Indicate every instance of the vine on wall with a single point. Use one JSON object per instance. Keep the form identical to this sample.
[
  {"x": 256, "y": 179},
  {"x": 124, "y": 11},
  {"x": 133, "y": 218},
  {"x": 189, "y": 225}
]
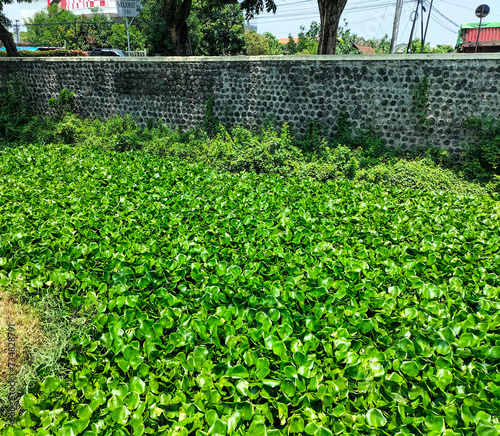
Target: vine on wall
[{"x": 420, "y": 103}]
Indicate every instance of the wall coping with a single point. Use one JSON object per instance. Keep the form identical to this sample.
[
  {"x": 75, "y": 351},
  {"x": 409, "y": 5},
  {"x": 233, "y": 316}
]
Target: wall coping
[{"x": 294, "y": 58}]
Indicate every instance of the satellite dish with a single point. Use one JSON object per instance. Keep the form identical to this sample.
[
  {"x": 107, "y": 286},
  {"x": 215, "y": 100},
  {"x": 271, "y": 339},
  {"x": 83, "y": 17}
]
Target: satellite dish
[{"x": 482, "y": 11}]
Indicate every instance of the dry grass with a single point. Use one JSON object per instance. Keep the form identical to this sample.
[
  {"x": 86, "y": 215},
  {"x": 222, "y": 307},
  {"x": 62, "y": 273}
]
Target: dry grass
[{"x": 28, "y": 333}]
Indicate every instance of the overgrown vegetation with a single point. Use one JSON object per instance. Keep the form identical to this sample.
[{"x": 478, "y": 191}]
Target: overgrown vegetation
[
  {"x": 252, "y": 304},
  {"x": 272, "y": 148},
  {"x": 48, "y": 53},
  {"x": 482, "y": 157},
  {"x": 44, "y": 328},
  {"x": 250, "y": 282},
  {"x": 421, "y": 102}
]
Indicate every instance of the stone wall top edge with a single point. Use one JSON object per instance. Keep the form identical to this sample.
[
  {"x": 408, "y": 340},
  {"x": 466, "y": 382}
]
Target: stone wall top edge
[{"x": 299, "y": 58}]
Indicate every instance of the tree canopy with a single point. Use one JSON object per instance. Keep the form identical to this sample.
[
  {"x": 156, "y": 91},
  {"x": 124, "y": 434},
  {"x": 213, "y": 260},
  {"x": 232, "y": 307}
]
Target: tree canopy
[
  {"x": 57, "y": 27},
  {"x": 176, "y": 14},
  {"x": 211, "y": 31}
]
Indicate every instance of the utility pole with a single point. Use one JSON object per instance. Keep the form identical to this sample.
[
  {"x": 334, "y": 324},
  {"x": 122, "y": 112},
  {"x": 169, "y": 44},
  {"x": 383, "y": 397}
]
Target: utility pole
[
  {"x": 413, "y": 27},
  {"x": 395, "y": 27},
  {"x": 422, "y": 9},
  {"x": 15, "y": 28},
  {"x": 427, "y": 25}
]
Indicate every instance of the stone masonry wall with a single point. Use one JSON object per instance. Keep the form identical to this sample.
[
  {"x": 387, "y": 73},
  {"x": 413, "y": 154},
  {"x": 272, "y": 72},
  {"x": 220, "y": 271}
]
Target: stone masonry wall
[{"x": 373, "y": 91}]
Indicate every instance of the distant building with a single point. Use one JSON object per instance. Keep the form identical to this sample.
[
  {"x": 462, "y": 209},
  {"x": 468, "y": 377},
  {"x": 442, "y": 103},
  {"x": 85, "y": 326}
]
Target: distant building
[
  {"x": 82, "y": 7},
  {"x": 18, "y": 13},
  {"x": 285, "y": 40},
  {"x": 251, "y": 27},
  {"x": 489, "y": 38},
  {"x": 364, "y": 49}
]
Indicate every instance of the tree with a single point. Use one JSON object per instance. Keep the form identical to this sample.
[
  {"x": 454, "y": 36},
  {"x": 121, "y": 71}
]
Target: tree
[
  {"x": 346, "y": 40},
  {"x": 257, "y": 44},
  {"x": 416, "y": 47},
  {"x": 291, "y": 46},
  {"x": 223, "y": 29},
  {"x": 381, "y": 46},
  {"x": 118, "y": 37},
  {"x": 56, "y": 27},
  {"x": 5, "y": 35},
  {"x": 275, "y": 48},
  {"x": 176, "y": 14},
  {"x": 212, "y": 31},
  {"x": 307, "y": 41},
  {"x": 329, "y": 13}
]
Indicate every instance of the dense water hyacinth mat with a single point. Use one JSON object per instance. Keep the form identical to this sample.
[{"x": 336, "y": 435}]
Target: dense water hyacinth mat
[{"x": 253, "y": 305}]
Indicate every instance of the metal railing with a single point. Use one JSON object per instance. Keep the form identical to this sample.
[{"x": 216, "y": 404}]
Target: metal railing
[{"x": 136, "y": 53}]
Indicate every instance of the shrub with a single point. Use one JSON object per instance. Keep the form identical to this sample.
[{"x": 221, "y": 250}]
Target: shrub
[
  {"x": 420, "y": 175},
  {"x": 14, "y": 107},
  {"x": 481, "y": 159},
  {"x": 314, "y": 140},
  {"x": 63, "y": 103},
  {"x": 117, "y": 134},
  {"x": 48, "y": 53}
]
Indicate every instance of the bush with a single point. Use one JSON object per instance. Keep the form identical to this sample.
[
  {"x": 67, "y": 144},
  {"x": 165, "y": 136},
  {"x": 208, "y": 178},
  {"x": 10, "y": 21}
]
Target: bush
[
  {"x": 62, "y": 104},
  {"x": 116, "y": 134},
  {"x": 14, "y": 108},
  {"x": 481, "y": 160},
  {"x": 420, "y": 175},
  {"x": 271, "y": 148},
  {"x": 48, "y": 53}
]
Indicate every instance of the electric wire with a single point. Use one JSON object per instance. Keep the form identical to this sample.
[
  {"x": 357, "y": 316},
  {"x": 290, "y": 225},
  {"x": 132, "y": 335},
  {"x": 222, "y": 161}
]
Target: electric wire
[
  {"x": 445, "y": 17},
  {"x": 382, "y": 20},
  {"x": 306, "y": 13}
]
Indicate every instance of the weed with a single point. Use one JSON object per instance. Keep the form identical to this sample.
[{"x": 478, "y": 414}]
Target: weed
[
  {"x": 420, "y": 103},
  {"x": 62, "y": 104}
]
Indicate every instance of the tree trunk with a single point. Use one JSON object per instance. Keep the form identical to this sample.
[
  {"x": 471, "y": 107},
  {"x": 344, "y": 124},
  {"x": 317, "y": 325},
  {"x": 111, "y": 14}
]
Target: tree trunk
[
  {"x": 329, "y": 12},
  {"x": 181, "y": 40},
  {"x": 175, "y": 13},
  {"x": 8, "y": 42}
]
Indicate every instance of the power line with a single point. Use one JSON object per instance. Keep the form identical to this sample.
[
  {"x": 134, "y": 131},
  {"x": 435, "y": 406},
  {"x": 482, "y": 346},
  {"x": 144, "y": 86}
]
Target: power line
[
  {"x": 300, "y": 13},
  {"x": 382, "y": 20},
  {"x": 444, "y": 26},
  {"x": 454, "y": 4},
  {"x": 446, "y": 18}
]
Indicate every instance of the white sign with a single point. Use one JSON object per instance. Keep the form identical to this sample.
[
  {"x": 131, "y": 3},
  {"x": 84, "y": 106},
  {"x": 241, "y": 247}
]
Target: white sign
[{"x": 126, "y": 8}]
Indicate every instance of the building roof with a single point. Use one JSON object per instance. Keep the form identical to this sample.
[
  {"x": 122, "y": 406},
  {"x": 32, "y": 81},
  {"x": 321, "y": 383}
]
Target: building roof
[
  {"x": 285, "y": 40},
  {"x": 365, "y": 49}
]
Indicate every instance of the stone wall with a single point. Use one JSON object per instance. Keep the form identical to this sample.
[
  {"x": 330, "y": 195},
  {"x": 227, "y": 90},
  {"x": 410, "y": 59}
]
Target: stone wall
[{"x": 374, "y": 91}]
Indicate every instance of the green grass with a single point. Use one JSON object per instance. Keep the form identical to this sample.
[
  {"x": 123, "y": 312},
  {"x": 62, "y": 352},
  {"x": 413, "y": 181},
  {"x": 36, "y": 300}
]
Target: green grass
[{"x": 252, "y": 304}]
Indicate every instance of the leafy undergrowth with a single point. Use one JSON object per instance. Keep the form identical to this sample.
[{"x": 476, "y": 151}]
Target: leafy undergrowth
[
  {"x": 253, "y": 304},
  {"x": 270, "y": 149}
]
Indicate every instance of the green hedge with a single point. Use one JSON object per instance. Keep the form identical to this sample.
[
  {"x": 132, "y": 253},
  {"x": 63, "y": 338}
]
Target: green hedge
[{"x": 48, "y": 53}]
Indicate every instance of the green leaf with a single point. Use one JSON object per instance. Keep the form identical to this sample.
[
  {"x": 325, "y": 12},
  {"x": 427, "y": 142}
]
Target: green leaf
[
  {"x": 486, "y": 430},
  {"x": 50, "y": 384},
  {"x": 410, "y": 368},
  {"x": 375, "y": 418},
  {"x": 299, "y": 358},
  {"x": 322, "y": 431},
  {"x": 237, "y": 371},
  {"x": 443, "y": 378},
  {"x": 288, "y": 388},
  {"x": 137, "y": 385},
  {"x": 296, "y": 424},
  {"x": 120, "y": 415}
]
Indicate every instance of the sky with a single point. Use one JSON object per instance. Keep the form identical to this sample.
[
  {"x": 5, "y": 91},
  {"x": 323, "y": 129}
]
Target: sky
[
  {"x": 366, "y": 18},
  {"x": 375, "y": 18}
]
